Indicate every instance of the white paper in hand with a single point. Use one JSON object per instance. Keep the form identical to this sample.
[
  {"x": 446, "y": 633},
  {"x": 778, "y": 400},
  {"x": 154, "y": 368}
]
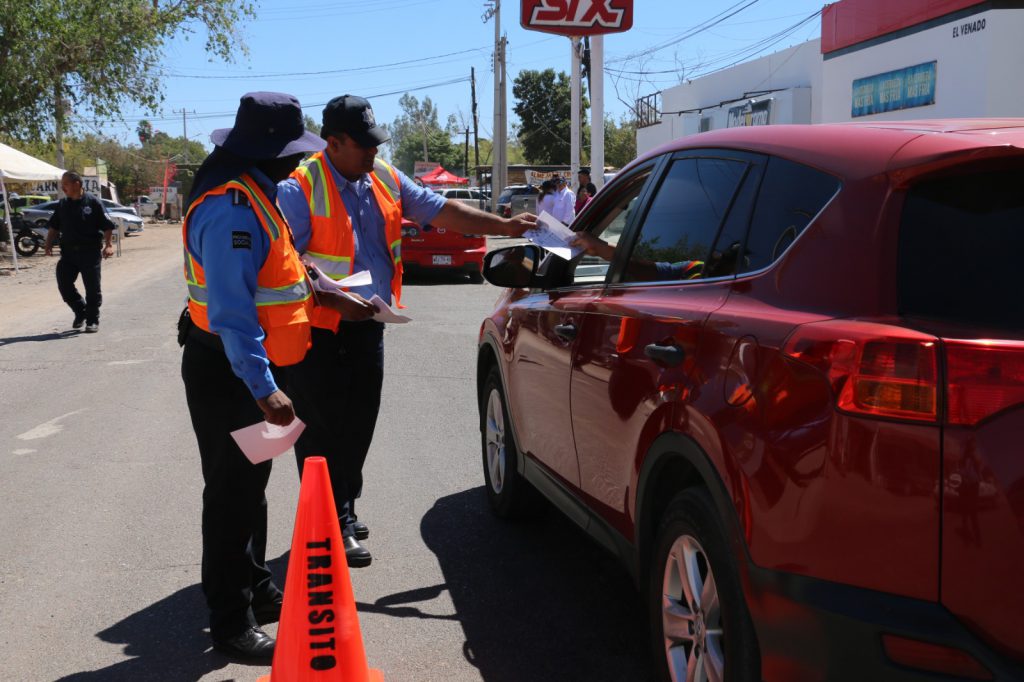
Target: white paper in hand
[
  {"x": 322, "y": 282},
  {"x": 553, "y": 235},
  {"x": 386, "y": 313},
  {"x": 264, "y": 441}
]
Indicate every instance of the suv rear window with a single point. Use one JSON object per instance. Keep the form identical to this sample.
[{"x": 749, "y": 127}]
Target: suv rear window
[
  {"x": 960, "y": 249},
  {"x": 791, "y": 195}
]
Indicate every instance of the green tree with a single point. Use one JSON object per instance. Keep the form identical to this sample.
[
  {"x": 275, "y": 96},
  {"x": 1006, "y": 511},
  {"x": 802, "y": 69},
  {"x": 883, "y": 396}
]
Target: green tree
[
  {"x": 544, "y": 107},
  {"x": 59, "y": 57},
  {"x": 311, "y": 124},
  {"x": 417, "y": 123},
  {"x": 619, "y": 141}
]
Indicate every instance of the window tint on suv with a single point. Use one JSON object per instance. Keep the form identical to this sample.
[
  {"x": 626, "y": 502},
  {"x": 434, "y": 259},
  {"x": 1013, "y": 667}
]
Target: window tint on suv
[
  {"x": 615, "y": 214},
  {"x": 684, "y": 219},
  {"x": 791, "y": 196},
  {"x": 960, "y": 248}
]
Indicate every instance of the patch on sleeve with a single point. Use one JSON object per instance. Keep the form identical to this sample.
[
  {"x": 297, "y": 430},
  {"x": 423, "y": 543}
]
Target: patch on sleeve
[{"x": 241, "y": 240}]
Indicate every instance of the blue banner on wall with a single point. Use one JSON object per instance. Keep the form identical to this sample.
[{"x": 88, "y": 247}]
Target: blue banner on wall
[{"x": 906, "y": 88}]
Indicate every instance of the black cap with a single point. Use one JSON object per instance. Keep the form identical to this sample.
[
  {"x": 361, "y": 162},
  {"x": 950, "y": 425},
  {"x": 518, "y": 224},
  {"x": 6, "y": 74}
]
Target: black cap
[
  {"x": 583, "y": 170},
  {"x": 353, "y": 116},
  {"x": 268, "y": 125}
]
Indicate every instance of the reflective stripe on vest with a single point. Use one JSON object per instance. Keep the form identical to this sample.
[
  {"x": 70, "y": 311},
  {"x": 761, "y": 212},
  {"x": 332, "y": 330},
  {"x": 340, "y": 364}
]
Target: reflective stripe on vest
[
  {"x": 283, "y": 297},
  {"x": 332, "y": 242},
  {"x": 314, "y": 172},
  {"x": 296, "y": 292}
]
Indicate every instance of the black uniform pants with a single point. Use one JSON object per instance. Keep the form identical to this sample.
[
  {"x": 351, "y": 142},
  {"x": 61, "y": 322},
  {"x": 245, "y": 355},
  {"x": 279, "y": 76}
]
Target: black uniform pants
[
  {"x": 234, "y": 573},
  {"x": 336, "y": 392},
  {"x": 85, "y": 262}
]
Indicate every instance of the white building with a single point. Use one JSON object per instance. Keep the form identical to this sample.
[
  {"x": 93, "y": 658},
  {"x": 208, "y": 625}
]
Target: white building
[{"x": 876, "y": 59}]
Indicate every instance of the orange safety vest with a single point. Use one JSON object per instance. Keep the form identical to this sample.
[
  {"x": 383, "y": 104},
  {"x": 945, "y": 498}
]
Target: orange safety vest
[
  {"x": 283, "y": 297},
  {"x": 331, "y": 243}
]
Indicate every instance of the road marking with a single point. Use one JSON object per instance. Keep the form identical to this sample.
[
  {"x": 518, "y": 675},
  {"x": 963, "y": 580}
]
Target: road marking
[
  {"x": 47, "y": 428},
  {"x": 23, "y": 451},
  {"x": 127, "y": 362}
]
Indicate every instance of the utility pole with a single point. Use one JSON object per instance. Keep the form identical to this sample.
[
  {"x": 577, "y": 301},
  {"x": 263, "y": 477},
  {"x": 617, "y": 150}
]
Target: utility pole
[
  {"x": 499, "y": 169},
  {"x": 476, "y": 139},
  {"x": 465, "y": 156},
  {"x": 184, "y": 128},
  {"x": 576, "y": 102},
  {"x": 596, "y": 75}
]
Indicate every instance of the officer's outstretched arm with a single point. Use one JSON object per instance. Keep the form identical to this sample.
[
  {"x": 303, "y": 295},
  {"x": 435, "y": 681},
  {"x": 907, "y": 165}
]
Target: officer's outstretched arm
[{"x": 469, "y": 220}]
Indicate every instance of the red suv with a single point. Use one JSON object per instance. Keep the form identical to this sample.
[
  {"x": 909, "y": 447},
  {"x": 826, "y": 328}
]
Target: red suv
[{"x": 788, "y": 391}]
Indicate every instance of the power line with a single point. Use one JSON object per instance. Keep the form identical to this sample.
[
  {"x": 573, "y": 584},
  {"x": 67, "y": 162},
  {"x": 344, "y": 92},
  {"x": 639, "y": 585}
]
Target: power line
[
  {"x": 737, "y": 56},
  {"x": 323, "y": 73},
  {"x": 223, "y": 114},
  {"x": 696, "y": 30}
]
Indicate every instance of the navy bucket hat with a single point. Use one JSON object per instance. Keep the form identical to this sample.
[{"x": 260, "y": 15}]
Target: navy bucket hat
[{"x": 268, "y": 125}]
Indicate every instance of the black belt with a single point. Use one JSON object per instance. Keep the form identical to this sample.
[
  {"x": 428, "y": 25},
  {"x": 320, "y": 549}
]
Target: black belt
[
  {"x": 80, "y": 247},
  {"x": 205, "y": 338}
]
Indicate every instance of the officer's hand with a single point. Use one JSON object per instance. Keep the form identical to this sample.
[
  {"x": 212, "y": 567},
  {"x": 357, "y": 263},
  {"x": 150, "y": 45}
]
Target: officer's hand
[
  {"x": 277, "y": 408},
  {"x": 517, "y": 225},
  {"x": 352, "y": 309},
  {"x": 108, "y": 251}
]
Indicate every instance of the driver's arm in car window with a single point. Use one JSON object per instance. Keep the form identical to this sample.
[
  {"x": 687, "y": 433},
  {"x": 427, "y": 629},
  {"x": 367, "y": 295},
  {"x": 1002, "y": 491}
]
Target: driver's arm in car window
[{"x": 640, "y": 269}]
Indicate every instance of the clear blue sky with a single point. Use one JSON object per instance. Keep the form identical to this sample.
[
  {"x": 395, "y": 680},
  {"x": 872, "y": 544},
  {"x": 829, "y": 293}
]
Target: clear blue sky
[{"x": 382, "y": 48}]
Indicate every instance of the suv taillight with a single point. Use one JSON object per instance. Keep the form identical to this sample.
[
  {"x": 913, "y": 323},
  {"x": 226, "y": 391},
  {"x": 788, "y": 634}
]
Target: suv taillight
[
  {"x": 984, "y": 377},
  {"x": 875, "y": 369}
]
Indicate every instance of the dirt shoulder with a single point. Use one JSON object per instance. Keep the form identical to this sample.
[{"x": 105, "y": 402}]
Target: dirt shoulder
[{"x": 33, "y": 290}]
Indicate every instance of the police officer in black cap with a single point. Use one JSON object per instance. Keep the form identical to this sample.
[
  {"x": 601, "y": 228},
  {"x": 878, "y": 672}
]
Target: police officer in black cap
[
  {"x": 80, "y": 223},
  {"x": 346, "y": 206},
  {"x": 249, "y": 303}
]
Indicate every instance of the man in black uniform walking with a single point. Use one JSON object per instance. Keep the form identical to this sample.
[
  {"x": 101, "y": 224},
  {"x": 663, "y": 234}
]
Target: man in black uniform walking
[{"x": 82, "y": 226}]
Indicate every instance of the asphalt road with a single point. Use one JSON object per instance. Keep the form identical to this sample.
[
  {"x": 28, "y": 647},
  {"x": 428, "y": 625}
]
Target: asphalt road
[{"x": 100, "y": 509}]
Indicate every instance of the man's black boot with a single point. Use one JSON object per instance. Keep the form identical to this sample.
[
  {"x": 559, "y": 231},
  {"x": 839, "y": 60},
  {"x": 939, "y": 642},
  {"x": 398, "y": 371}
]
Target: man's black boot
[
  {"x": 252, "y": 645},
  {"x": 357, "y": 555}
]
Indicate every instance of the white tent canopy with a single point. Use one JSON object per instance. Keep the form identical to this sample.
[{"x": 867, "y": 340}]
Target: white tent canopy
[{"x": 19, "y": 167}]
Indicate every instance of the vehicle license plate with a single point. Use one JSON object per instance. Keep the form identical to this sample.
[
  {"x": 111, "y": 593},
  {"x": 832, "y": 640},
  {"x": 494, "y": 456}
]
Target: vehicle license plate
[{"x": 442, "y": 260}]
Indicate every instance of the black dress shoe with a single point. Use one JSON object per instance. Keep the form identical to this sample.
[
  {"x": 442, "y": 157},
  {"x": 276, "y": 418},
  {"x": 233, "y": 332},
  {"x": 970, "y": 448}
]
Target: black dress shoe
[
  {"x": 362, "y": 530},
  {"x": 251, "y": 645},
  {"x": 268, "y": 612},
  {"x": 357, "y": 555}
]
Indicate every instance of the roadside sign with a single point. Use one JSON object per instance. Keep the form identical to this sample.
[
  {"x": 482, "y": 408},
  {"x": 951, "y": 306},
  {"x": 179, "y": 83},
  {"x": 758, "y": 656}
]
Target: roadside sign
[{"x": 577, "y": 17}]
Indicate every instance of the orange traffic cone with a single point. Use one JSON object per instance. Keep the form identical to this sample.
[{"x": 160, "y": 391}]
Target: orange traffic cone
[{"x": 318, "y": 639}]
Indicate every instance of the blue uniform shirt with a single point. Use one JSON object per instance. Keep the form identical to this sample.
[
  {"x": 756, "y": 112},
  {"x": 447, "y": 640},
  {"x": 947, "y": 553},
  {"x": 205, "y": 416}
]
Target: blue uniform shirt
[
  {"x": 419, "y": 204},
  {"x": 231, "y": 264}
]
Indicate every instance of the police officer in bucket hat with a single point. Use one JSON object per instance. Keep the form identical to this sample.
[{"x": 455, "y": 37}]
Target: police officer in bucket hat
[{"x": 249, "y": 307}]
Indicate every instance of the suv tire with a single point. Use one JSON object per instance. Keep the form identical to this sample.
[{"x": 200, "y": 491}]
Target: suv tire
[
  {"x": 709, "y": 629},
  {"x": 510, "y": 494}
]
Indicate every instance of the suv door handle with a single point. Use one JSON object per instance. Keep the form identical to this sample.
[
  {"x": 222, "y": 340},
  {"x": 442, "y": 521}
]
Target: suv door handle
[
  {"x": 670, "y": 356},
  {"x": 566, "y": 331}
]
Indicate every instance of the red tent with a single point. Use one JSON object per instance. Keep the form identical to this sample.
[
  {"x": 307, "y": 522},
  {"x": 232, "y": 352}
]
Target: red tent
[{"x": 439, "y": 176}]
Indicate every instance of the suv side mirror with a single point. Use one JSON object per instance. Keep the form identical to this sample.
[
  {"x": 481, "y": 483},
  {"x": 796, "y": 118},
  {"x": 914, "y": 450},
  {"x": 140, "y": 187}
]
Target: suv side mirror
[{"x": 513, "y": 267}]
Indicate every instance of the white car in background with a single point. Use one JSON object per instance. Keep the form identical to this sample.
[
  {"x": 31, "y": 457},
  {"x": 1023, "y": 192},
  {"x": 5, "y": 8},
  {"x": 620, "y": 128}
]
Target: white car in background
[
  {"x": 122, "y": 216},
  {"x": 470, "y": 197}
]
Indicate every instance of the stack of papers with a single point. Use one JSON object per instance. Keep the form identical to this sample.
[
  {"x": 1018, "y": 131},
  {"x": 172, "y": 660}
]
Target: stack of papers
[
  {"x": 553, "y": 235},
  {"x": 322, "y": 282}
]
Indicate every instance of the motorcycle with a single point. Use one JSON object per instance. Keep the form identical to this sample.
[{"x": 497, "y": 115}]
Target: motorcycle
[{"x": 26, "y": 240}]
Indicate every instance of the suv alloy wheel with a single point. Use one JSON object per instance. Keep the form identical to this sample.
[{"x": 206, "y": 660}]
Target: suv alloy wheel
[
  {"x": 701, "y": 628},
  {"x": 510, "y": 494}
]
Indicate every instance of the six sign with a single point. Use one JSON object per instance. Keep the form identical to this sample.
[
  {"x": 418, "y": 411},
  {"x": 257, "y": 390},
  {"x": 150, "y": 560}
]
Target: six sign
[{"x": 577, "y": 17}]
